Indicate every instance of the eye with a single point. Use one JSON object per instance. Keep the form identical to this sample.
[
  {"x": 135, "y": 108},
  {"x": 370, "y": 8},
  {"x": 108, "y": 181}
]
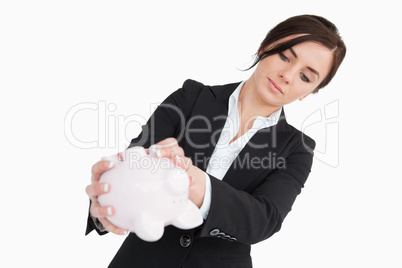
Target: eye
[
  {"x": 304, "y": 78},
  {"x": 283, "y": 57}
]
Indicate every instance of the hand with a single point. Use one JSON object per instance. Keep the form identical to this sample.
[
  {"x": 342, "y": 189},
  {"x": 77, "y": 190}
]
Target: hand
[
  {"x": 94, "y": 190},
  {"x": 170, "y": 148}
]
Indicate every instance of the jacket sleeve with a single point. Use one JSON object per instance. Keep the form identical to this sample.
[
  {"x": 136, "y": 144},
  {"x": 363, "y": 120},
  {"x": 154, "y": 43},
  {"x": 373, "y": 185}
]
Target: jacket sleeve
[
  {"x": 252, "y": 217},
  {"x": 94, "y": 224},
  {"x": 168, "y": 120}
]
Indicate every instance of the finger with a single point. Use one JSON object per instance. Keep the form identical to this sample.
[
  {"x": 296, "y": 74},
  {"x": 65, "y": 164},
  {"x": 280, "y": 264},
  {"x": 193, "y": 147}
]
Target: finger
[
  {"x": 192, "y": 181},
  {"x": 100, "y": 212},
  {"x": 111, "y": 228},
  {"x": 168, "y": 147},
  {"x": 95, "y": 189},
  {"x": 168, "y": 142},
  {"x": 154, "y": 151},
  {"x": 172, "y": 152},
  {"x": 169, "y": 152},
  {"x": 183, "y": 162},
  {"x": 100, "y": 167}
]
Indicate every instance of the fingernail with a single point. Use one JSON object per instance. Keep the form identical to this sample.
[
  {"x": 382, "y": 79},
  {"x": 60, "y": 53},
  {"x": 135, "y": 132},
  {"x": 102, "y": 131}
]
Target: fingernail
[
  {"x": 153, "y": 151},
  {"x": 158, "y": 153},
  {"x": 105, "y": 187},
  {"x": 109, "y": 211},
  {"x": 110, "y": 164},
  {"x": 125, "y": 232},
  {"x": 178, "y": 159}
]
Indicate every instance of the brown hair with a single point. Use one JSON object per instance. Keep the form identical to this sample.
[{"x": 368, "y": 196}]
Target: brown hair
[{"x": 313, "y": 28}]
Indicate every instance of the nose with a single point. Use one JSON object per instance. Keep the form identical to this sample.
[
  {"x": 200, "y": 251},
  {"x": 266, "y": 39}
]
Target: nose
[
  {"x": 284, "y": 79},
  {"x": 286, "y": 75}
]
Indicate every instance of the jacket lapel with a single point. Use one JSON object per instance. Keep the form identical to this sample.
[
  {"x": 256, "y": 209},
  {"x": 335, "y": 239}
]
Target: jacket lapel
[
  {"x": 259, "y": 154},
  {"x": 205, "y": 125}
]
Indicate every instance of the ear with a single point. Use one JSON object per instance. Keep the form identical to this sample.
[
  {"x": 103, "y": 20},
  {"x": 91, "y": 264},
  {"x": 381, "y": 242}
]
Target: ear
[{"x": 302, "y": 98}]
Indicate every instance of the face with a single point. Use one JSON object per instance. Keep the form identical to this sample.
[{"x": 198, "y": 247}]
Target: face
[{"x": 292, "y": 74}]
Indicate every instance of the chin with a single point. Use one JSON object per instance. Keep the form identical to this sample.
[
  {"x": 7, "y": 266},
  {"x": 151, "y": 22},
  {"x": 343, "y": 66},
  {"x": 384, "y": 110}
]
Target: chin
[{"x": 270, "y": 99}]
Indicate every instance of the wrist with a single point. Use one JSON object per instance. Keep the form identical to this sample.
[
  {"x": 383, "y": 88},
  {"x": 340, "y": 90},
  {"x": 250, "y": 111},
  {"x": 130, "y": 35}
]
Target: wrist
[{"x": 197, "y": 190}]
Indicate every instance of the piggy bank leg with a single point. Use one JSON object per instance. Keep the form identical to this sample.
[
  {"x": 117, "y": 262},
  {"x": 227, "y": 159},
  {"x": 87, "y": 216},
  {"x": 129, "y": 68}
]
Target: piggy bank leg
[
  {"x": 189, "y": 218},
  {"x": 148, "y": 228}
]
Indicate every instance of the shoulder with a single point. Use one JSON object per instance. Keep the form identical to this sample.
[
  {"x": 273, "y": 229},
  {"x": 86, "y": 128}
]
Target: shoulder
[
  {"x": 222, "y": 91},
  {"x": 293, "y": 137},
  {"x": 190, "y": 83},
  {"x": 187, "y": 93},
  {"x": 301, "y": 141},
  {"x": 190, "y": 89}
]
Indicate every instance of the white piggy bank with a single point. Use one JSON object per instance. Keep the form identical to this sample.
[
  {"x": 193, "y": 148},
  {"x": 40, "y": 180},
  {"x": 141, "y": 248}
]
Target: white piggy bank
[{"x": 148, "y": 193}]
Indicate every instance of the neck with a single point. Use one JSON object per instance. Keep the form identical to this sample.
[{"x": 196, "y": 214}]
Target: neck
[{"x": 251, "y": 104}]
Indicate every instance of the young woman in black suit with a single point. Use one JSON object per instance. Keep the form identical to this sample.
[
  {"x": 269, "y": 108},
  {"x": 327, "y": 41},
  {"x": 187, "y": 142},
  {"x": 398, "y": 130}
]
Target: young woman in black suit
[{"x": 246, "y": 163}]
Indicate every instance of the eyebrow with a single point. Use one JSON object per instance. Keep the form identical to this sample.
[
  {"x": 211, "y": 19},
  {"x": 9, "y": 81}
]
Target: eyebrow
[
  {"x": 293, "y": 52},
  {"x": 314, "y": 71},
  {"x": 311, "y": 69}
]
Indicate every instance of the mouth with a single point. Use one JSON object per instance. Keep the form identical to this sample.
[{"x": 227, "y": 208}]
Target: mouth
[{"x": 274, "y": 86}]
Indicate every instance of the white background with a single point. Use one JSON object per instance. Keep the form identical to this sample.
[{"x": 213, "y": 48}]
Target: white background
[{"x": 55, "y": 55}]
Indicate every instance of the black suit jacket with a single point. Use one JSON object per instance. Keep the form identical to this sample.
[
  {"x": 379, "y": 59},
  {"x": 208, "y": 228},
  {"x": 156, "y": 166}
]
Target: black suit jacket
[{"x": 247, "y": 206}]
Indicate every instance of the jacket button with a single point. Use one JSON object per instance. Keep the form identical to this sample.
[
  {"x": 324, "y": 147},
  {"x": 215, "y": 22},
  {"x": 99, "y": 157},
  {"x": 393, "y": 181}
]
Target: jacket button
[
  {"x": 214, "y": 232},
  {"x": 185, "y": 241}
]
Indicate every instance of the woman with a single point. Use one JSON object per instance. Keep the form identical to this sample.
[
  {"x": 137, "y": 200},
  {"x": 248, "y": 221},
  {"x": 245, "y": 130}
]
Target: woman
[{"x": 247, "y": 164}]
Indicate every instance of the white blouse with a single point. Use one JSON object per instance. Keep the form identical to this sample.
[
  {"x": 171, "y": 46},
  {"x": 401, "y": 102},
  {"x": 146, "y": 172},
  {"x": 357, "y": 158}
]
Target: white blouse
[{"x": 225, "y": 153}]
